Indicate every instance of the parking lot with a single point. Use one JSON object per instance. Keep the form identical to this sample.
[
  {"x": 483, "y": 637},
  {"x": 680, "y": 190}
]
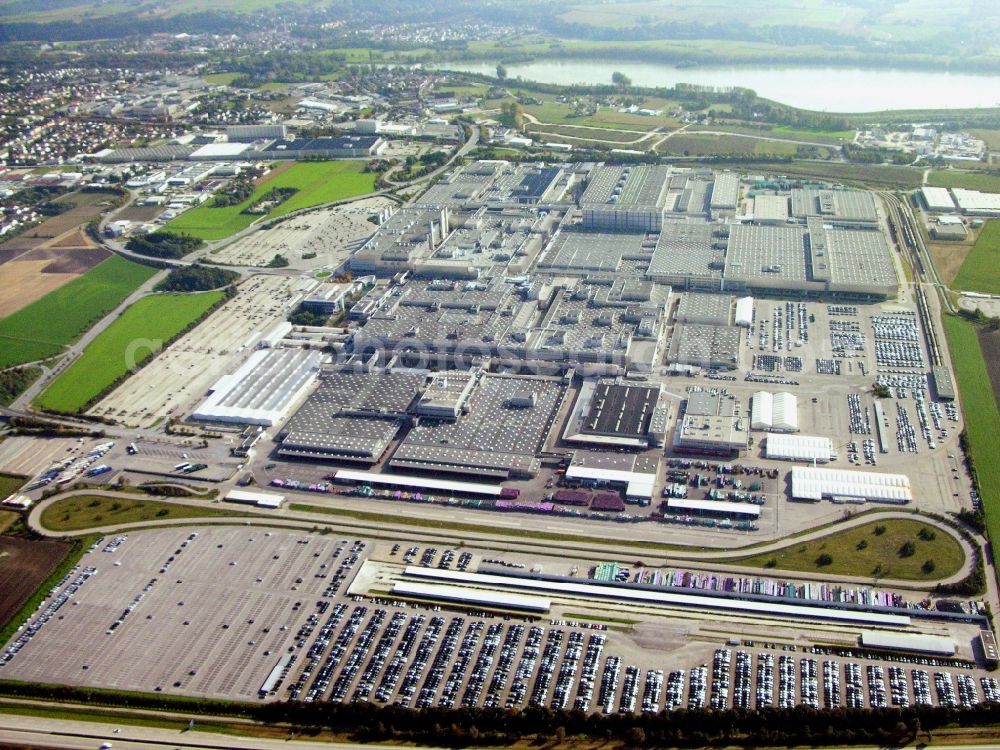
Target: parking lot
[
  {"x": 28, "y": 456},
  {"x": 250, "y": 614},
  {"x": 177, "y": 379},
  {"x": 317, "y": 239}
]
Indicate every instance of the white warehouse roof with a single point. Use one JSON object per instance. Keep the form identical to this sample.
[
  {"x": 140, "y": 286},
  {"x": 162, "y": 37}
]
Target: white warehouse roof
[
  {"x": 938, "y": 199},
  {"x": 714, "y": 506},
  {"x": 913, "y": 642},
  {"x": 778, "y": 412},
  {"x": 466, "y": 595},
  {"x": 811, "y": 483},
  {"x": 419, "y": 483},
  {"x": 744, "y": 312},
  {"x": 263, "y": 389},
  {"x": 260, "y": 499},
  {"x": 219, "y": 151},
  {"x": 798, "y": 448},
  {"x": 975, "y": 202},
  {"x": 637, "y": 483}
]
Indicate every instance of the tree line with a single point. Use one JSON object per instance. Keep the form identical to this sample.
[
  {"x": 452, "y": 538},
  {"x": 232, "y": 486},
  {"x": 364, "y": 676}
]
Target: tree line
[
  {"x": 463, "y": 727},
  {"x": 196, "y": 278},
  {"x": 163, "y": 244}
]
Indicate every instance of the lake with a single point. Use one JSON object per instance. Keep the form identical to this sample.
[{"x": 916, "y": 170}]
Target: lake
[{"x": 823, "y": 89}]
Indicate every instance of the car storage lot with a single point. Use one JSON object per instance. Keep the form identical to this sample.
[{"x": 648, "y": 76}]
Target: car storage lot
[
  {"x": 225, "y": 612},
  {"x": 182, "y": 374}
]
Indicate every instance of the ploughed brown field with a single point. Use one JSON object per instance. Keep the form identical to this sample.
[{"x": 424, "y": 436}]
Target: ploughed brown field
[
  {"x": 24, "y": 565},
  {"x": 47, "y": 256},
  {"x": 989, "y": 342}
]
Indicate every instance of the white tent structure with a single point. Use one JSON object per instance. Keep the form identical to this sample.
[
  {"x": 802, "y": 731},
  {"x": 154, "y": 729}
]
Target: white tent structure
[
  {"x": 774, "y": 412},
  {"x": 786, "y": 447},
  {"x": 744, "y": 312},
  {"x": 843, "y": 485}
]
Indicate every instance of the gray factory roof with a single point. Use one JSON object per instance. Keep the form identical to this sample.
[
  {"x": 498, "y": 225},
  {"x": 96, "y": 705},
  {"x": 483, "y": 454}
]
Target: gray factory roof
[
  {"x": 167, "y": 152},
  {"x": 498, "y": 435},
  {"x": 725, "y": 191},
  {"x": 766, "y": 254},
  {"x": 437, "y": 327},
  {"x": 705, "y": 345},
  {"x": 692, "y": 198},
  {"x": 463, "y": 185},
  {"x": 578, "y": 325},
  {"x": 845, "y": 205},
  {"x": 351, "y": 415},
  {"x": 770, "y": 208},
  {"x": 474, "y": 294},
  {"x": 317, "y": 435},
  {"x": 714, "y": 309},
  {"x": 490, "y": 238},
  {"x": 404, "y": 236},
  {"x": 521, "y": 184},
  {"x": 590, "y": 251},
  {"x": 379, "y": 394},
  {"x": 627, "y": 187},
  {"x": 684, "y": 251},
  {"x": 859, "y": 258},
  {"x": 710, "y": 404}
]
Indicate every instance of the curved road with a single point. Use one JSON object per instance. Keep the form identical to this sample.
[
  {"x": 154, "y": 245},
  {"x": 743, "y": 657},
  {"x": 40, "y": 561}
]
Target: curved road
[{"x": 496, "y": 538}]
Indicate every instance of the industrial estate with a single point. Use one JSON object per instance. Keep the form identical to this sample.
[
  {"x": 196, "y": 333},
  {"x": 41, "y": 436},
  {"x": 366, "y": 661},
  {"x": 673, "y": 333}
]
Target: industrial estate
[{"x": 340, "y": 406}]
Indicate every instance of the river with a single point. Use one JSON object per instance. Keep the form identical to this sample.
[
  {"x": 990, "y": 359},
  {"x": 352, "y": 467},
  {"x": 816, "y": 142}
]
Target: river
[{"x": 823, "y": 89}]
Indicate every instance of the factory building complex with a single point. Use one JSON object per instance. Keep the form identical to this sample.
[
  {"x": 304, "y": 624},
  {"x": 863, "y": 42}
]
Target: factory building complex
[{"x": 497, "y": 328}]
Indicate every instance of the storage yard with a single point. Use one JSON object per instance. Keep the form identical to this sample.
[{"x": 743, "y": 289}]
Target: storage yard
[
  {"x": 290, "y": 618},
  {"x": 329, "y": 235},
  {"x": 182, "y": 373}
]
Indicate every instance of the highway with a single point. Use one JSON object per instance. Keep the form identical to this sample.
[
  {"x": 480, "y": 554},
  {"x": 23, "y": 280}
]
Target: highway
[{"x": 87, "y": 735}]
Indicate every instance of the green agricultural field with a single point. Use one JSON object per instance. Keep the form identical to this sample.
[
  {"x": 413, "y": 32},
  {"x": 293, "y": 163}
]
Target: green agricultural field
[
  {"x": 584, "y": 134},
  {"x": 10, "y": 483},
  {"x": 59, "y": 318},
  {"x": 990, "y": 136},
  {"x": 982, "y": 420},
  {"x": 7, "y": 519},
  {"x": 94, "y": 511},
  {"x": 987, "y": 183},
  {"x": 812, "y": 135},
  {"x": 556, "y": 113},
  {"x": 868, "y": 175},
  {"x": 615, "y": 120},
  {"x": 711, "y": 145},
  {"x": 223, "y": 79},
  {"x": 980, "y": 272},
  {"x": 322, "y": 182},
  {"x": 862, "y": 552},
  {"x": 317, "y": 182},
  {"x": 159, "y": 317}
]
